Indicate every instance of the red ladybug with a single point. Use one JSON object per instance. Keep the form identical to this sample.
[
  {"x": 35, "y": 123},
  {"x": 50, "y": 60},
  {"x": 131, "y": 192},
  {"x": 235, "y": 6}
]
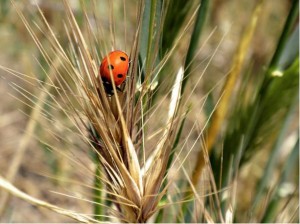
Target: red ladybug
[{"x": 117, "y": 64}]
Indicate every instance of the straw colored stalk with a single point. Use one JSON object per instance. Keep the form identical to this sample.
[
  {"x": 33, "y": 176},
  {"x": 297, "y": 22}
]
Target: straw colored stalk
[
  {"x": 7, "y": 186},
  {"x": 134, "y": 190},
  {"x": 228, "y": 88},
  {"x": 115, "y": 146}
]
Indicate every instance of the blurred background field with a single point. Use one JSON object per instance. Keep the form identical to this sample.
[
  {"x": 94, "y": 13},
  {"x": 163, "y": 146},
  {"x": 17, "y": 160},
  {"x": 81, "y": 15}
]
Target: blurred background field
[{"x": 45, "y": 175}]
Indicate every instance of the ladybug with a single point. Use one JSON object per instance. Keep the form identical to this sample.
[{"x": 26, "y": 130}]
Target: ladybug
[{"x": 116, "y": 63}]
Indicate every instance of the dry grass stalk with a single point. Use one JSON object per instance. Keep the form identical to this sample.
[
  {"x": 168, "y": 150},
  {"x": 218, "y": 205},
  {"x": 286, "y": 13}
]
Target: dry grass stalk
[
  {"x": 7, "y": 186},
  {"x": 30, "y": 127},
  {"x": 135, "y": 193}
]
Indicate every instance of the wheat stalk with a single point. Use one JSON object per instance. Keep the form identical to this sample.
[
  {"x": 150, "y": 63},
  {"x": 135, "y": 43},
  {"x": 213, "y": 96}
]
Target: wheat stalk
[
  {"x": 134, "y": 189},
  {"x": 7, "y": 186}
]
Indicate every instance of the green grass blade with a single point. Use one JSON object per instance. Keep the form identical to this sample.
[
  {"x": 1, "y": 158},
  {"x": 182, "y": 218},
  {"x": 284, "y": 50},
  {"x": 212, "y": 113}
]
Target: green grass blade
[
  {"x": 98, "y": 185},
  {"x": 289, "y": 166},
  {"x": 149, "y": 41},
  {"x": 272, "y": 105},
  {"x": 177, "y": 12},
  {"x": 293, "y": 14},
  {"x": 275, "y": 152},
  {"x": 193, "y": 46},
  {"x": 98, "y": 209},
  {"x": 284, "y": 35},
  {"x": 150, "y": 30},
  {"x": 291, "y": 50},
  {"x": 145, "y": 32}
]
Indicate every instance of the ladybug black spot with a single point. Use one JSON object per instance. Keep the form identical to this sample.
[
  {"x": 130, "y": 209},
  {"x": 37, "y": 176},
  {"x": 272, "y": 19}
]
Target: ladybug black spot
[
  {"x": 120, "y": 75},
  {"x": 111, "y": 67},
  {"x": 123, "y": 59}
]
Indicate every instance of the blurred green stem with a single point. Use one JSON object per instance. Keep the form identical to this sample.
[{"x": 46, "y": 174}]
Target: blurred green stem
[
  {"x": 291, "y": 164},
  {"x": 198, "y": 27},
  {"x": 98, "y": 185},
  {"x": 148, "y": 43},
  {"x": 98, "y": 210},
  {"x": 278, "y": 143},
  {"x": 293, "y": 14},
  {"x": 285, "y": 35},
  {"x": 151, "y": 34}
]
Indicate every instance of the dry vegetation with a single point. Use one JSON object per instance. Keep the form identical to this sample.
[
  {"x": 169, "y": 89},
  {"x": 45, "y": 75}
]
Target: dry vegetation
[{"x": 209, "y": 106}]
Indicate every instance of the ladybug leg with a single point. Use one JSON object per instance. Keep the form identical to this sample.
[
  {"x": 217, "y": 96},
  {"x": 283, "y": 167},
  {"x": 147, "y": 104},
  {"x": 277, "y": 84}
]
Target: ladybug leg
[
  {"x": 108, "y": 88},
  {"x": 119, "y": 89}
]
